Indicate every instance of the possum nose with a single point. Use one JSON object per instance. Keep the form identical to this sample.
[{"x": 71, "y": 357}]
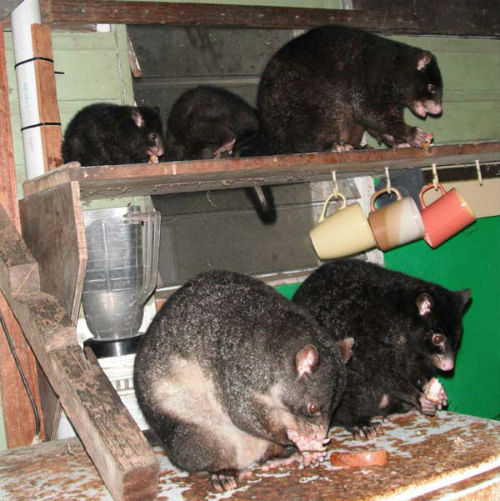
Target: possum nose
[
  {"x": 433, "y": 108},
  {"x": 444, "y": 363}
]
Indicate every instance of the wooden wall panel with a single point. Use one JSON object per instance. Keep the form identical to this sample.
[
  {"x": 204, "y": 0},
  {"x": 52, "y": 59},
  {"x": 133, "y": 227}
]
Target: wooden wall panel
[{"x": 14, "y": 398}]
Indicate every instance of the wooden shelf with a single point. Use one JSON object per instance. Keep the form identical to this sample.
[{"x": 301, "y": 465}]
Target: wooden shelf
[{"x": 110, "y": 181}]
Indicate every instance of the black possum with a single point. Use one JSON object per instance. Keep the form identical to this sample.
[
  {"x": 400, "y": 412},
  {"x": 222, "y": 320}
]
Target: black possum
[
  {"x": 230, "y": 373},
  {"x": 209, "y": 122},
  {"x": 405, "y": 330},
  {"x": 111, "y": 134},
  {"x": 212, "y": 122},
  {"x": 323, "y": 89}
]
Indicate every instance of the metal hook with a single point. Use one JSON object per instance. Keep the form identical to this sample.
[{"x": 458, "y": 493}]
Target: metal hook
[
  {"x": 435, "y": 179},
  {"x": 335, "y": 184},
  {"x": 388, "y": 180},
  {"x": 479, "y": 175}
]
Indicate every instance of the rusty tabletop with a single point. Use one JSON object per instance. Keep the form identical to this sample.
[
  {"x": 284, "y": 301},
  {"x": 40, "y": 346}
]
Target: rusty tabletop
[{"x": 447, "y": 457}]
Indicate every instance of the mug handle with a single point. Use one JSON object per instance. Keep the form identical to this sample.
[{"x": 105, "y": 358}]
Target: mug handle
[
  {"x": 327, "y": 201},
  {"x": 427, "y": 188},
  {"x": 380, "y": 192}
]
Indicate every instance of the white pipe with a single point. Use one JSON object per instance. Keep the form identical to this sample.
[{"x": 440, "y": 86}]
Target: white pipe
[{"x": 26, "y": 14}]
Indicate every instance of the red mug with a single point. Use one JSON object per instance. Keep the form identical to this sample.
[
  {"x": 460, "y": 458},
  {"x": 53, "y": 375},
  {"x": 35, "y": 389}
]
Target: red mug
[{"x": 446, "y": 216}]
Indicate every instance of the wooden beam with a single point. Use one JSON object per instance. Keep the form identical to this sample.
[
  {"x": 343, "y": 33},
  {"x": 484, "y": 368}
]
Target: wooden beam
[
  {"x": 191, "y": 14},
  {"x": 111, "y": 437},
  {"x": 54, "y": 231},
  {"x": 199, "y": 175},
  {"x": 48, "y": 108},
  {"x": 15, "y": 401}
]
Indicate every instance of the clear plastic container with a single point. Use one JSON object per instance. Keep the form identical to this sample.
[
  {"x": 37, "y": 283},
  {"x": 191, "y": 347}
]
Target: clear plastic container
[{"x": 122, "y": 266}]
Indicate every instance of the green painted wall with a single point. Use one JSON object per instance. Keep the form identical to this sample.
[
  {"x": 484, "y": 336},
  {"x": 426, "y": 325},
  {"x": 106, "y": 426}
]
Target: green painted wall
[{"x": 470, "y": 259}]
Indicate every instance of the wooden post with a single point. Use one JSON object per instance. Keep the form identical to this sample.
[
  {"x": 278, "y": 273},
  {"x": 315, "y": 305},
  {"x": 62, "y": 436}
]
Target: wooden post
[
  {"x": 119, "y": 450},
  {"x": 15, "y": 401},
  {"x": 50, "y": 129}
]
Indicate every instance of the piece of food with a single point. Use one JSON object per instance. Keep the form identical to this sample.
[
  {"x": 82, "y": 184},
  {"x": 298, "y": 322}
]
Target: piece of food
[
  {"x": 433, "y": 391},
  {"x": 357, "y": 459}
]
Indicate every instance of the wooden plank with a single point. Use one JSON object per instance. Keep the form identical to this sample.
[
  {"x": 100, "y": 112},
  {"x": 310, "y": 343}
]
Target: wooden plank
[
  {"x": 15, "y": 401},
  {"x": 170, "y": 177},
  {"x": 47, "y": 96},
  {"x": 478, "y": 17},
  {"x": 54, "y": 231},
  {"x": 111, "y": 437},
  {"x": 382, "y": 21}
]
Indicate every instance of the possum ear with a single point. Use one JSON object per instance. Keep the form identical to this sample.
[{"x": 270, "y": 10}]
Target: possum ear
[
  {"x": 306, "y": 360},
  {"x": 464, "y": 296},
  {"x": 137, "y": 117},
  {"x": 345, "y": 346},
  {"x": 424, "y": 304},
  {"x": 424, "y": 59}
]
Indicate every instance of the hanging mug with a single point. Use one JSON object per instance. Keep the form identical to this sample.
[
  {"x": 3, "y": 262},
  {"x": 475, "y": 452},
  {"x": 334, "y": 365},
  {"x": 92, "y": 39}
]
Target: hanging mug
[
  {"x": 396, "y": 223},
  {"x": 446, "y": 216},
  {"x": 343, "y": 233}
]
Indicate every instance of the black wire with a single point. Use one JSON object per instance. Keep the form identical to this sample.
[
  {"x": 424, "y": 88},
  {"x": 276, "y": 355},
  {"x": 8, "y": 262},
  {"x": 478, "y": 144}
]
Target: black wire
[{"x": 21, "y": 373}]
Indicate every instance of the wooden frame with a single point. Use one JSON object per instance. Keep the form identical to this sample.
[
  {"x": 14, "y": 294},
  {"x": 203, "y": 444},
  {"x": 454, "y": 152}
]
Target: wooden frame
[{"x": 483, "y": 23}]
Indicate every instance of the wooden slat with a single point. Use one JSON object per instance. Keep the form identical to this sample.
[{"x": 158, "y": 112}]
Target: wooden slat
[
  {"x": 111, "y": 437},
  {"x": 15, "y": 401},
  {"x": 47, "y": 96},
  {"x": 382, "y": 21},
  {"x": 170, "y": 177},
  {"x": 54, "y": 231}
]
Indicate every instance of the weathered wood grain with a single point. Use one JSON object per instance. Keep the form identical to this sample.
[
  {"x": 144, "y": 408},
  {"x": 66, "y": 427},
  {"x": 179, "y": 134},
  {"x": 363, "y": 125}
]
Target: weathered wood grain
[
  {"x": 200, "y": 175},
  {"x": 111, "y": 437},
  {"x": 388, "y": 20},
  {"x": 15, "y": 401}
]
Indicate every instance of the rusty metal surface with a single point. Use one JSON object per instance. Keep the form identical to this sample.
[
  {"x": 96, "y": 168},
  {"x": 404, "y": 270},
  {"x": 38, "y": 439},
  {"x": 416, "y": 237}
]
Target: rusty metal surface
[{"x": 446, "y": 454}]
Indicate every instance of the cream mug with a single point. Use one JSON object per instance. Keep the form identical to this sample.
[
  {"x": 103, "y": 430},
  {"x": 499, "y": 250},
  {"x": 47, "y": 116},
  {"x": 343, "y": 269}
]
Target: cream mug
[{"x": 343, "y": 233}]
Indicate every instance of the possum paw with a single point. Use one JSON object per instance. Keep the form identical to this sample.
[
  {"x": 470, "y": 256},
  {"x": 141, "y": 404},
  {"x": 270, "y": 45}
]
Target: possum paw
[
  {"x": 226, "y": 147},
  {"x": 365, "y": 432},
  {"x": 226, "y": 480},
  {"x": 342, "y": 146}
]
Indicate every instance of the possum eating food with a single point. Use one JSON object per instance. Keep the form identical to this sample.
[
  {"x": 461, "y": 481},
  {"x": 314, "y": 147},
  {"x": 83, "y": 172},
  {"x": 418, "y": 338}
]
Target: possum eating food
[
  {"x": 323, "y": 89},
  {"x": 231, "y": 373},
  {"x": 212, "y": 122},
  {"x": 405, "y": 330},
  {"x": 112, "y": 134}
]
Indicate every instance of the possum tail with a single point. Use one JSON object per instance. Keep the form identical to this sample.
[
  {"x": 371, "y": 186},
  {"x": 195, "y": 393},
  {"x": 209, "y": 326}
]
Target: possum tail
[{"x": 252, "y": 145}]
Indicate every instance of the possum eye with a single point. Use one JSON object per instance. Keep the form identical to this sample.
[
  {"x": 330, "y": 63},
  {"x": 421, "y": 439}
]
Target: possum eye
[
  {"x": 153, "y": 136},
  {"x": 431, "y": 88},
  {"x": 437, "y": 339},
  {"x": 313, "y": 409}
]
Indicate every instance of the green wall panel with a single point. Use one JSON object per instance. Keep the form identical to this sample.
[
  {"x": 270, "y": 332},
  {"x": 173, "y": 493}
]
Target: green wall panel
[{"x": 469, "y": 259}]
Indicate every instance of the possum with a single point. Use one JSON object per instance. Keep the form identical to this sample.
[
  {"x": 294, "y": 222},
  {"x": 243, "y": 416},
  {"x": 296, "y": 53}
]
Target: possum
[
  {"x": 323, "y": 89},
  {"x": 405, "y": 330},
  {"x": 111, "y": 134},
  {"x": 209, "y": 122},
  {"x": 212, "y": 122},
  {"x": 231, "y": 373}
]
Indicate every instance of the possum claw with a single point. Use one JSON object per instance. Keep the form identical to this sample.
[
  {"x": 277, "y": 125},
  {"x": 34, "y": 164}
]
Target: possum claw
[
  {"x": 365, "y": 432},
  {"x": 224, "y": 481},
  {"x": 225, "y": 147},
  {"x": 342, "y": 146}
]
